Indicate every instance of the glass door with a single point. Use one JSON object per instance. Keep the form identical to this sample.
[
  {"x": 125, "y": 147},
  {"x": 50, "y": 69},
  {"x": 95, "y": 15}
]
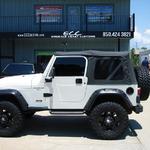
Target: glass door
[{"x": 74, "y": 18}]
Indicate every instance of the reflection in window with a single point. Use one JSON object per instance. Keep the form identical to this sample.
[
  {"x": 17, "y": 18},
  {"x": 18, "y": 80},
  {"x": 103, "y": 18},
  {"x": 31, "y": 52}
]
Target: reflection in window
[
  {"x": 49, "y": 13},
  {"x": 109, "y": 68},
  {"x": 99, "y": 13},
  {"x": 18, "y": 69}
]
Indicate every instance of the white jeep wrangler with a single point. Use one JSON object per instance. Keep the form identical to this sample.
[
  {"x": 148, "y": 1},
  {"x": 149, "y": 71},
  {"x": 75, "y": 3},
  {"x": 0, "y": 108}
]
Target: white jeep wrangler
[{"x": 102, "y": 85}]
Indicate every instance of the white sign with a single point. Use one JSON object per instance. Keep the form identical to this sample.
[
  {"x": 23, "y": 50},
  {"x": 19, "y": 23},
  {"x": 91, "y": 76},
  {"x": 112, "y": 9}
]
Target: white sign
[
  {"x": 72, "y": 34},
  {"x": 117, "y": 34},
  {"x": 29, "y": 35}
]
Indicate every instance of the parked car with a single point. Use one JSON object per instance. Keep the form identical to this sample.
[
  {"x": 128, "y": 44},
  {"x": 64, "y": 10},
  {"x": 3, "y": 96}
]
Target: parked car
[
  {"x": 18, "y": 69},
  {"x": 105, "y": 86}
]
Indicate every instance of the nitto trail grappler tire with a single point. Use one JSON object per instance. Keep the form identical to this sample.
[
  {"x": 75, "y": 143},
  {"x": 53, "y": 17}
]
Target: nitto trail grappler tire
[
  {"x": 143, "y": 79},
  {"x": 109, "y": 120},
  {"x": 11, "y": 119}
]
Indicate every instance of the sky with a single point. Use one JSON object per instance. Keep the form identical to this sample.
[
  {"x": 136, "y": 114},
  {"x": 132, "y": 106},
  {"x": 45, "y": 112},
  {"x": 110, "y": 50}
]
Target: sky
[{"x": 141, "y": 8}]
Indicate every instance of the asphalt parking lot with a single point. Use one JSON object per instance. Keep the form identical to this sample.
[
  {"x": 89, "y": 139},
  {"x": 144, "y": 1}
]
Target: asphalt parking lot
[{"x": 71, "y": 133}]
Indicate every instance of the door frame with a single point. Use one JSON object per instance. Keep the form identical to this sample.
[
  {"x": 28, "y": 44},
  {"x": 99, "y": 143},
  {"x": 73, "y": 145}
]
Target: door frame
[
  {"x": 56, "y": 103},
  {"x": 44, "y": 51}
]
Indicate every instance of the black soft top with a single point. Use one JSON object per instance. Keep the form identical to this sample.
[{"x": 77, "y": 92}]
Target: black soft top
[
  {"x": 93, "y": 53},
  {"x": 124, "y": 64}
]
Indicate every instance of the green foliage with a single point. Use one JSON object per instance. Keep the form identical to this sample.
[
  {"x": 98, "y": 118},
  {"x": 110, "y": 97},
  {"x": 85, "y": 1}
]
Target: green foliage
[
  {"x": 144, "y": 48},
  {"x": 134, "y": 58}
]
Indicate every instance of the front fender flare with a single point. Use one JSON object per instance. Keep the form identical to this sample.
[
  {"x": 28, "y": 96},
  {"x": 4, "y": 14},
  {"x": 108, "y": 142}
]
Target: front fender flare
[{"x": 18, "y": 98}]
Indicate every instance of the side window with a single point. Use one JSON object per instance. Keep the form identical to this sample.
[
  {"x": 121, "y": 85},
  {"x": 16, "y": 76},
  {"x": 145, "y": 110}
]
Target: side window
[
  {"x": 109, "y": 69},
  {"x": 73, "y": 66}
]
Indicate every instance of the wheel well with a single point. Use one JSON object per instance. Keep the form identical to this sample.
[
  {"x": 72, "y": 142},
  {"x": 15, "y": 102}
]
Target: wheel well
[
  {"x": 113, "y": 98},
  {"x": 12, "y": 99}
]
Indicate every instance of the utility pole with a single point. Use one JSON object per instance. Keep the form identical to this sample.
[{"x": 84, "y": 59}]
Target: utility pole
[{"x": 136, "y": 45}]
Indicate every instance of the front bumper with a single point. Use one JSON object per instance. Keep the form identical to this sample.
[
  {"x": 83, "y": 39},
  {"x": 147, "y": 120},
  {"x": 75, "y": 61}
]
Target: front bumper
[{"x": 138, "y": 109}]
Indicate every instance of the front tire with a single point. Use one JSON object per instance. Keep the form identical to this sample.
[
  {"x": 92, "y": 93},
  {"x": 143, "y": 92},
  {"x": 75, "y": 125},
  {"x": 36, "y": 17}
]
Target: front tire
[
  {"x": 109, "y": 120},
  {"x": 11, "y": 119}
]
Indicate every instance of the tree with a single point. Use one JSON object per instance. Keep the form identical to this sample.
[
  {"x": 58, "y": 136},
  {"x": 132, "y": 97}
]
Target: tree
[
  {"x": 134, "y": 57},
  {"x": 144, "y": 48}
]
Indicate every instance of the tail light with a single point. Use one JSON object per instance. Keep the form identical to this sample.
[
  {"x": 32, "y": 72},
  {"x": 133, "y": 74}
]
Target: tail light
[{"x": 139, "y": 91}]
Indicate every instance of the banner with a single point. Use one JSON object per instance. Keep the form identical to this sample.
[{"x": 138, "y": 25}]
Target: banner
[{"x": 49, "y": 14}]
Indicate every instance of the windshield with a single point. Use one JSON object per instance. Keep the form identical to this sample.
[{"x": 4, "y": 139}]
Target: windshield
[{"x": 18, "y": 69}]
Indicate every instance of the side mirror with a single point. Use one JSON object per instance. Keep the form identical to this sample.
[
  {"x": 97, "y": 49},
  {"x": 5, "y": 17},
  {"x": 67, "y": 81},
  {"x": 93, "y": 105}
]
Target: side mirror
[
  {"x": 48, "y": 79},
  {"x": 51, "y": 75}
]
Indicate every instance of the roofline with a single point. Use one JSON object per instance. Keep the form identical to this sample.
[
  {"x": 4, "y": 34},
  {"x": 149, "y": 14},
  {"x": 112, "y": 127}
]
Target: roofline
[{"x": 92, "y": 53}]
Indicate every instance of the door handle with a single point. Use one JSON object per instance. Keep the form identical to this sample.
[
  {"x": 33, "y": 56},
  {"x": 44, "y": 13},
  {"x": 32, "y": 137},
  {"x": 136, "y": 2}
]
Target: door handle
[{"x": 78, "y": 81}]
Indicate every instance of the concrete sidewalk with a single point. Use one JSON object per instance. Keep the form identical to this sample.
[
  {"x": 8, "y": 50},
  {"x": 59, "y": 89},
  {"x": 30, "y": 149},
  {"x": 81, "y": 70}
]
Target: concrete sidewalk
[{"x": 74, "y": 133}]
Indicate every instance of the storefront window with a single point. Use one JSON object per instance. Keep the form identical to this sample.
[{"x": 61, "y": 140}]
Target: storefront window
[
  {"x": 99, "y": 13},
  {"x": 49, "y": 14}
]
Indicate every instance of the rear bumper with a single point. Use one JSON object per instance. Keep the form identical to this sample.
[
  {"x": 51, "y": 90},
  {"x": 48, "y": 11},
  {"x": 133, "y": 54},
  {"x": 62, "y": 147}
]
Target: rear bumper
[{"x": 138, "y": 109}]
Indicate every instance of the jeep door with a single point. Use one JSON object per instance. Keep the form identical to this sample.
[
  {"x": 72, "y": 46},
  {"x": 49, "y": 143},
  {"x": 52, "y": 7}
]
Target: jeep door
[{"x": 69, "y": 82}]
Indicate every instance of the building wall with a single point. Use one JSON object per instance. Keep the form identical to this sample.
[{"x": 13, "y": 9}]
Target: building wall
[
  {"x": 25, "y": 8},
  {"x": 6, "y": 48},
  {"x": 25, "y": 48}
]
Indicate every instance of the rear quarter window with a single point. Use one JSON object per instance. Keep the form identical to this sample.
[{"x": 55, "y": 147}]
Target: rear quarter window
[{"x": 108, "y": 68}]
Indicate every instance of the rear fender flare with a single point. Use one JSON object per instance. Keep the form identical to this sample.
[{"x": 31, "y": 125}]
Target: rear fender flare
[{"x": 106, "y": 93}]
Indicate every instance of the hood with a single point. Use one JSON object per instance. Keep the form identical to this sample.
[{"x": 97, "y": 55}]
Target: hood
[{"x": 21, "y": 81}]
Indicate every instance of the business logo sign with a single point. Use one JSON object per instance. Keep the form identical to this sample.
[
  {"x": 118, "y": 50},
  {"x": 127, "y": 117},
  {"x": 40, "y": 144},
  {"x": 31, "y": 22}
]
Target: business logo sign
[
  {"x": 77, "y": 34},
  {"x": 73, "y": 34}
]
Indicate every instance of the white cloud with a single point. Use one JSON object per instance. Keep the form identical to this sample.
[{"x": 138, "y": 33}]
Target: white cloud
[
  {"x": 146, "y": 41},
  {"x": 147, "y": 32},
  {"x": 141, "y": 38},
  {"x": 137, "y": 35}
]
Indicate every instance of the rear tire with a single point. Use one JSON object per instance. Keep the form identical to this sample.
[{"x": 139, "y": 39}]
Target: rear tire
[
  {"x": 11, "y": 119},
  {"x": 109, "y": 120},
  {"x": 143, "y": 78}
]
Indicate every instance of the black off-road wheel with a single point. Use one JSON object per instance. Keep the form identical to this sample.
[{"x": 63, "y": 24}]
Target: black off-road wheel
[
  {"x": 109, "y": 120},
  {"x": 11, "y": 119},
  {"x": 143, "y": 78}
]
